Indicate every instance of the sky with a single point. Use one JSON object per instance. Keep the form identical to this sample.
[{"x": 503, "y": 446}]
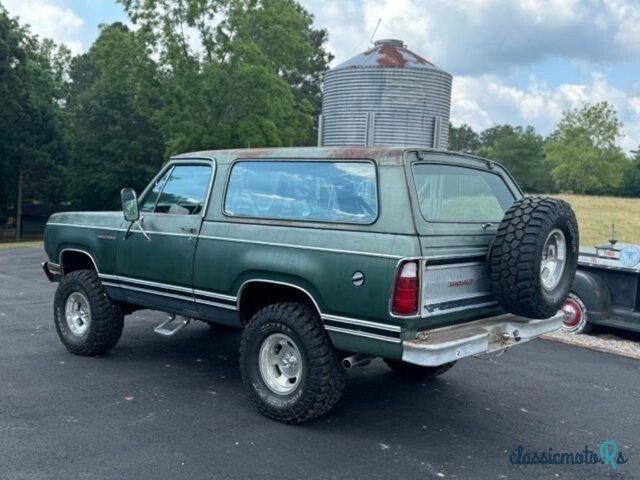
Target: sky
[{"x": 513, "y": 61}]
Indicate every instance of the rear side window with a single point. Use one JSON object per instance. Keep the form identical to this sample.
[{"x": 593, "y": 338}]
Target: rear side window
[
  {"x": 312, "y": 191},
  {"x": 448, "y": 193}
]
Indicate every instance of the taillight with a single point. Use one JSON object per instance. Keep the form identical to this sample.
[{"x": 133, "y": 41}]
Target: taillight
[{"x": 406, "y": 294}]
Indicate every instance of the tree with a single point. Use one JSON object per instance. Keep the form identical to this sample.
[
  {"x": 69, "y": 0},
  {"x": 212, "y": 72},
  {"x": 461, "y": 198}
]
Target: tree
[
  {"x": 115, "y": 142},
  {"x": 521, "y": 151},
  {"x": 463, "y": 139},
  {"x": 583, "y": 151},
  {"x": 253, "y": 79},
  {"x": 630, "y": 185},
  {"x": 32, "y": 144}
]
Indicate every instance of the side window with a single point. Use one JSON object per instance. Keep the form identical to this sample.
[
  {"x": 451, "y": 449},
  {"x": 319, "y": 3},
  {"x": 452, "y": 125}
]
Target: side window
[
  {"x": 181, "y": 191},
  {"x": 449, "y": 193},
  {"x": 149, "y": 202},
  {"x": 312, "y": 191}
]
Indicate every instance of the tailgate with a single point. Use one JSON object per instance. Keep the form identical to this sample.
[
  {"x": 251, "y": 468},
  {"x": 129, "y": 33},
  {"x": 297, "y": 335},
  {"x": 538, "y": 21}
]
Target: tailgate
[{"x": 455, "y": 284}]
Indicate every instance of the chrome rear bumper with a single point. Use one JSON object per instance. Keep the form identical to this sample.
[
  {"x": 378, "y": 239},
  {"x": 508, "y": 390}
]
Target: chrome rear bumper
[{"x": 443, "y": 345}]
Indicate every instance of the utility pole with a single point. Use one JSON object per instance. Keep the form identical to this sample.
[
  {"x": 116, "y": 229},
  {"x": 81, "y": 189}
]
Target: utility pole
[{"x": 19, "y": 206}]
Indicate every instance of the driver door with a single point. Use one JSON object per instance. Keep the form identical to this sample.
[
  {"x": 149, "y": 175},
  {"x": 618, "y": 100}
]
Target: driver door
[{"x": 157, "y": 273}]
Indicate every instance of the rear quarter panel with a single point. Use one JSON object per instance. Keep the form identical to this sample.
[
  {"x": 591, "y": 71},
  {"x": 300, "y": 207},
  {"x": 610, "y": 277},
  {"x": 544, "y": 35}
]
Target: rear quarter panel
[{"x": 319, "y": 258}]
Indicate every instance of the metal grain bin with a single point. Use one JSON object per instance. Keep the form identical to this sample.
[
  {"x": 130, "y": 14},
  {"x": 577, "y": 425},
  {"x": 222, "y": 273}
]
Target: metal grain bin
[{"x": 387, "y": 95}]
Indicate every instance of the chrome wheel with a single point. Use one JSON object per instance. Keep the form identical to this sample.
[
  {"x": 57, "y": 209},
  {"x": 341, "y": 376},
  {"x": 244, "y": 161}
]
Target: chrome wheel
[
  {"x": 554, "y": 259},
  {"x": 77, "y": 314},
  {"x": 575, "y": 314},
  {"x": 280, "y": 363}
]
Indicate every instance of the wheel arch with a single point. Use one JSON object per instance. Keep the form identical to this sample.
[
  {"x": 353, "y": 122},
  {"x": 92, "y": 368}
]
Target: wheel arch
[
  {"x": 257, "y": 293},
  {"x": 72, "y": 259},
  {"x": 592, "y": 290}
]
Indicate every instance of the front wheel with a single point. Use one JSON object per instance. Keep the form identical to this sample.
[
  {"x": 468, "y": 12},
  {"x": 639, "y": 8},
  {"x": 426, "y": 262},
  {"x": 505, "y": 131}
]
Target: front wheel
[
  {"x": 289, "y": 366},
  {"x": 87, "y": 321}
]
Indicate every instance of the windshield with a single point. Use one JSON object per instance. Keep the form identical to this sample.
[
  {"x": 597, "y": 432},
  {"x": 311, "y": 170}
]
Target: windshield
[{"x": 448, "y": 193}]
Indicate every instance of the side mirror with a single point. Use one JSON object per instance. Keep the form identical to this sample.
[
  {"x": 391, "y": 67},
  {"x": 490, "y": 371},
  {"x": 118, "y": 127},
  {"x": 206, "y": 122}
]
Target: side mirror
[{"x": 130, "y": 205}]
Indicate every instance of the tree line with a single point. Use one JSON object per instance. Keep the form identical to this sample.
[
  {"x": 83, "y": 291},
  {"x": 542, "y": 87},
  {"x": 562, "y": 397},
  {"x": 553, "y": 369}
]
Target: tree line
[
  {"x": 75, "y": 129},
  {"x": 580, "y": 156},
  {"x": 210, "y": 74}
]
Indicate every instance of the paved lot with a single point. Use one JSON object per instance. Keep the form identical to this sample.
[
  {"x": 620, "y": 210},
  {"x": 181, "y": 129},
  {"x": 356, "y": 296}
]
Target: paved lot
[{"x": 174, "y": 408}]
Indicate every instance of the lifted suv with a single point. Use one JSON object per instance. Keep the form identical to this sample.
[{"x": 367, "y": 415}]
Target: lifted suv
[{"x": 326, "y": 257}]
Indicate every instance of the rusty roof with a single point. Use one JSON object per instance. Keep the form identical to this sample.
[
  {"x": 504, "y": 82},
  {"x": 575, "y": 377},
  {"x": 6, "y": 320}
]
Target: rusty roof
[
  {"x": 391, "y": 155},
  {"x": 387, "y": 53}
]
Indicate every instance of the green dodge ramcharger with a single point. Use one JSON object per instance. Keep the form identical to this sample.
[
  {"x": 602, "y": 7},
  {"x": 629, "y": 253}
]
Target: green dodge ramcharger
[{"x": 326, "y": 258}]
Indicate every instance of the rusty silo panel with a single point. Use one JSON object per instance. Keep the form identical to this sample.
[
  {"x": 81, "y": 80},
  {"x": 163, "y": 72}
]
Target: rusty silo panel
[{"x": 386, "y": 96}]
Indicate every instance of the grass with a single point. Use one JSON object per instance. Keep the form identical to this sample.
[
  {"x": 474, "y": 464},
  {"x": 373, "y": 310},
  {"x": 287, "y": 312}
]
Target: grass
[
  {"x": 32, "y": 243},
  {"x": 596, "y": 214}
]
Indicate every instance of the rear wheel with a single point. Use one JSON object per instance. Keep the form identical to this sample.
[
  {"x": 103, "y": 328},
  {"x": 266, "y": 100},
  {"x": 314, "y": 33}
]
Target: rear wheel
[
  {"x": 410, "y": 370},
  {"x": 87, "y": 321},
  {"x": 289, "y": 366},
  {"x": 575, "y": 315}
]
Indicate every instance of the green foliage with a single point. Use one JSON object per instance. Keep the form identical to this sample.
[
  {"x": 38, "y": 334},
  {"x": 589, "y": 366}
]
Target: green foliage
[
  {"x": 32, "y": 147},
  {"x": 252, "y": 80},
  {"x": 463, "y": 139},
  {"x": 521, "y": 151},
  {"x": 583, "y": 152},
  {"x": 630, "y": 185},
  {"x": 115, "y": 142}
]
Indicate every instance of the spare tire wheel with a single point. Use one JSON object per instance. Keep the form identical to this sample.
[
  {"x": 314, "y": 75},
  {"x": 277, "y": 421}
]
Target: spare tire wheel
[{"x": 534, "y": 256}]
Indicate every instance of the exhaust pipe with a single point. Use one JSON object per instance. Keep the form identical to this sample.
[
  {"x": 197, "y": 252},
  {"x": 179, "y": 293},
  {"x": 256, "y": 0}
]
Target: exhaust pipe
[{"x": 357, "y": 360}]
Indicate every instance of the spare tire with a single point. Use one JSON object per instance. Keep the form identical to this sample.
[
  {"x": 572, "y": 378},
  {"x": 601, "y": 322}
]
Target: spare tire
[{"x": 534, "y": 256}]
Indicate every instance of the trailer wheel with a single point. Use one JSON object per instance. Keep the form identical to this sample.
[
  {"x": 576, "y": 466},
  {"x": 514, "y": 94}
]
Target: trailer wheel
[{"x": 575, "y": 315}]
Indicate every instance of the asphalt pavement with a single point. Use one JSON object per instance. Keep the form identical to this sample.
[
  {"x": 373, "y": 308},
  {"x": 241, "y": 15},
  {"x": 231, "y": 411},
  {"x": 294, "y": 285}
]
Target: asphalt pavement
[{"x": 156, "y": 408}]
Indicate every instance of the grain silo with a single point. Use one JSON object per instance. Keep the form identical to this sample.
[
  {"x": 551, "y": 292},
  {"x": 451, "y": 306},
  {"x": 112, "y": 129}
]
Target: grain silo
[{"x": 387, "y": 95}]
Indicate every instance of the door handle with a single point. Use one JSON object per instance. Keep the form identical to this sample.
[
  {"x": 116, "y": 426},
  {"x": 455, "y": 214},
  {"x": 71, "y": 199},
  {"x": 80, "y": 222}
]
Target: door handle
[{"x": 190, "y": 230}]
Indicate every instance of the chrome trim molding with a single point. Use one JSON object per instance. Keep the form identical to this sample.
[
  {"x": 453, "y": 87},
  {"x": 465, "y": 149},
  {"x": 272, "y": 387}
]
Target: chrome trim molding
[
  {"x": 118, "y": 278},
  {"x": 146, "y": 290},
  {"x": 363, "y": 323},
  {"x": 362, "y": 334},
  {"x": 301, "y": 247},
  {"x": 231, "y": 298},
  {"x": 56, "y": 224},
  {"x": 215, "y": 304}
]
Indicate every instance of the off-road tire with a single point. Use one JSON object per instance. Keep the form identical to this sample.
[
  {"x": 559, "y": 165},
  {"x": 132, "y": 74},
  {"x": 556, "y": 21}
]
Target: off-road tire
[
  {"x": 107, "y": 320},
  {"x": 322, "y": 382},
  {"x": 409, "y": 370},
  {"x": 516, "y": 254}
]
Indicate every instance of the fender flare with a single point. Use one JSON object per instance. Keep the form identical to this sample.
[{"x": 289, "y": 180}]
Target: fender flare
[{"x": 592, "y": 290}]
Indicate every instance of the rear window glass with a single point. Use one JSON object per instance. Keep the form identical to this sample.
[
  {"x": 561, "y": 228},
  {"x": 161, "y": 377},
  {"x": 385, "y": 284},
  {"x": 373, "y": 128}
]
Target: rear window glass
[
  {"x": 312, "y": 191},
  {"x": 457, "y": 194}
]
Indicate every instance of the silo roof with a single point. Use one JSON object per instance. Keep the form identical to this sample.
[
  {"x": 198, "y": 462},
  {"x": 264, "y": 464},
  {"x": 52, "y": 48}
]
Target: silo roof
[{"x": 387, "y": 53}]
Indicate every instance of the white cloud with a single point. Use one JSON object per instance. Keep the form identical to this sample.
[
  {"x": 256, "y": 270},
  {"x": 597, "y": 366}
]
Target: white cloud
[
  {"x": 480, "y": 40},
  {"x": 49, "y": 20},
  {"x": 487, "y": 100},
  {"x": 488, "y": 36}
]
